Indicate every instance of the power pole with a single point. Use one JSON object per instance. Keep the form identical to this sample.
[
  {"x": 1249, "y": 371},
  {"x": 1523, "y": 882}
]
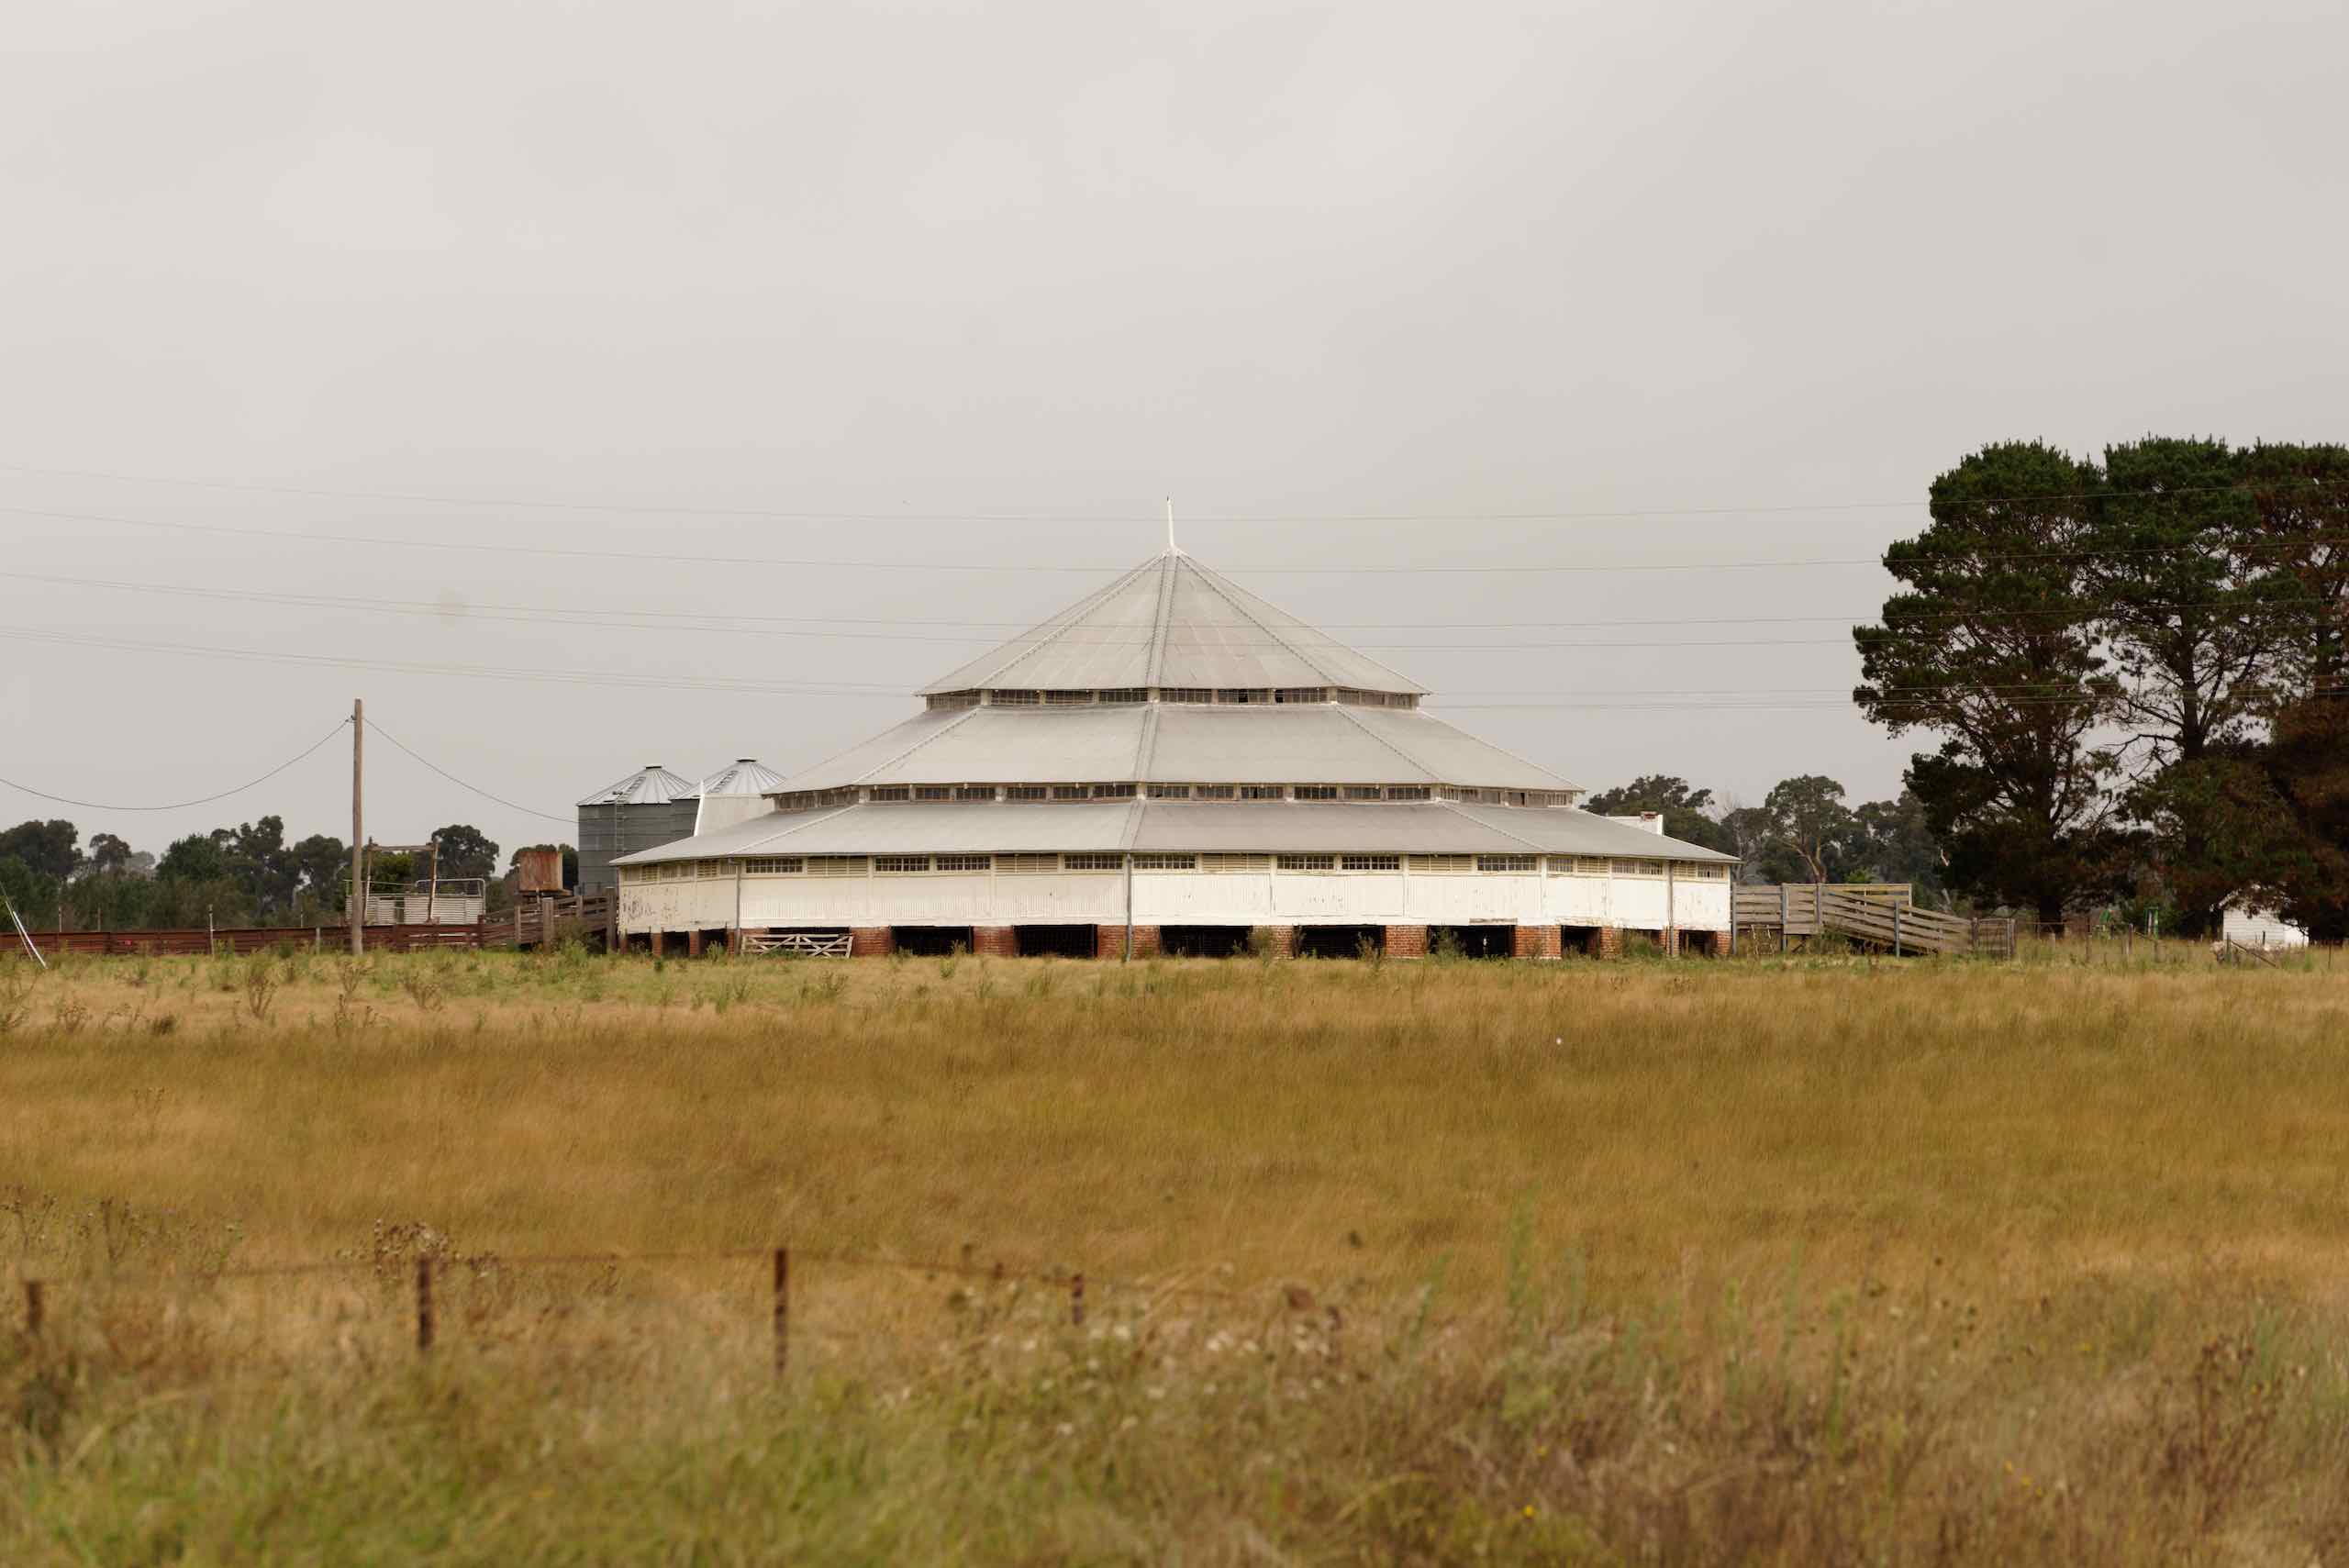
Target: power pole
[{"x": 358, "y": 830}]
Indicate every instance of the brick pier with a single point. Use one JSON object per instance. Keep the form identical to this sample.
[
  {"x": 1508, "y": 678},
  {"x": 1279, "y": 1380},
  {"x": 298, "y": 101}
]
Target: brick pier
[{"x": 1538, "y": 941}]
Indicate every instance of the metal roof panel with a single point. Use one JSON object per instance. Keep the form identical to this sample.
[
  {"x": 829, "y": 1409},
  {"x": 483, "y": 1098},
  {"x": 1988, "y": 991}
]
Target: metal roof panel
[
  {"x": 1242, "y": 827},
  {"x": 1173, "y": 622}
]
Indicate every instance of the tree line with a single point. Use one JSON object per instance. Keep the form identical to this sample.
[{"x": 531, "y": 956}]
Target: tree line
[
  {"x": 1802, "y": 832},
  {"x": 2135, "y": 672},
  {"x": 244, "y": 876}
]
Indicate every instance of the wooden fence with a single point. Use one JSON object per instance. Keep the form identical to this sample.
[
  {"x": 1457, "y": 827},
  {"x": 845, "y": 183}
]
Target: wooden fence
[
  {"x": 198, "y": 942},
  {"x": 1881, "y": 915},
  {"x": 540, "y": 920}
]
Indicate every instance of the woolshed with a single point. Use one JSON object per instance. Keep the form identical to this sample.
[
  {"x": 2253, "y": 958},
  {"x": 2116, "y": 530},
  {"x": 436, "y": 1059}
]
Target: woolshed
[{"x": 1174, "y": 765}]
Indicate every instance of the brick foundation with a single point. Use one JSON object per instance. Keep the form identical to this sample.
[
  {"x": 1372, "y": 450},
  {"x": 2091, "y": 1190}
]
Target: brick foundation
[
  {"x": 1109, "y": 941},
  {"x": 995, "y": 941},
  {"x": 1606, "y": 942},
  {"x": 1719, "y": 944},
  {"x": 1406, "y": 942},
  {"x": 871, "y": 942},
  {"x": 1538, "y": 941},
  {"x": 1278, "y": 940},
  {"x": 693, "y": 944}
]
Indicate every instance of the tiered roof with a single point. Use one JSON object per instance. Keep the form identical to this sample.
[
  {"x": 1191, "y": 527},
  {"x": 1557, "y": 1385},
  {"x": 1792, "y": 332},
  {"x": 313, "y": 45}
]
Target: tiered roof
[{"x": 1173, "y": 676}]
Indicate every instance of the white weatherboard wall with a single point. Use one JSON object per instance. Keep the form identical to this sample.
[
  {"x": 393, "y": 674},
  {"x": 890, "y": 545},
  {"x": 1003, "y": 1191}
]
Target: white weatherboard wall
[
  {"x": 2254, "y": 927},
  {"x": 1177, "y": 899}
]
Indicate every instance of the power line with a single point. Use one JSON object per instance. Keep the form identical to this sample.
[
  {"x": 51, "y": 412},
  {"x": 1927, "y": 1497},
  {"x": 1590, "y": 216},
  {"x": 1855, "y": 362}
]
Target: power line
[
  {"x": 563, "y": 677},
  {"x": 811, "y": 563},
  {"x": 183, "y": 805},
  {"x": 714, "y": 683},
  {"x": 1551, "y": 514},
  {"x": 460, "y": 784},
  {"x": 705, "y": 623}
]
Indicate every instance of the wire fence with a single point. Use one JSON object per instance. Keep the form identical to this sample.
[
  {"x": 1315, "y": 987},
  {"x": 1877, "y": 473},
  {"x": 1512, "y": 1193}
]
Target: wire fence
[{"x": 430, "y": 1273}]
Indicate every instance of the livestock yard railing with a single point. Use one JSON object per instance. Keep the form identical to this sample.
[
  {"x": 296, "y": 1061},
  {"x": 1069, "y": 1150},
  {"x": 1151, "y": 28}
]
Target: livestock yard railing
[
  {"x": 539, "y": 920},
  {"x": 1881, "y": 914},
  {"x": 196, "y": 941},
  {"x": 804, "y": 944}
]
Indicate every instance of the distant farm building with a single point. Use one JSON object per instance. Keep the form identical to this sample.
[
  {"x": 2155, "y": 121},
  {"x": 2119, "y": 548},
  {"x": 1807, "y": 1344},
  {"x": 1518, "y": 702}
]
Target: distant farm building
[
  {"x": 1174, "y": 765},
  {"x": 2244, "y": 923}
]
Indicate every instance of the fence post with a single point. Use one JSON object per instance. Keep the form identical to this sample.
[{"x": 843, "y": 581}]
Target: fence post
[
  {"x": 34, "y": 1308},
  {"x": 782, "y": 1310},
  {"x": 1782, "y": 919},
  {"x": 423, "y": 1305},
  {"x": 1077, "y": 1301},
  {"x": 1895, "y": 930}
]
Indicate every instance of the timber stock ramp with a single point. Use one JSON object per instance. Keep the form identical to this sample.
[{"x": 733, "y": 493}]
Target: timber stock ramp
[{"x": 1881, "y": 915}]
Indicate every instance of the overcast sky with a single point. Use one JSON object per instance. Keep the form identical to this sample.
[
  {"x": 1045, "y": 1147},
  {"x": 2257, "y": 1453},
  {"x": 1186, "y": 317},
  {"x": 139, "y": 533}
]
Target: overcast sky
[{"x": 984, "y": 282}]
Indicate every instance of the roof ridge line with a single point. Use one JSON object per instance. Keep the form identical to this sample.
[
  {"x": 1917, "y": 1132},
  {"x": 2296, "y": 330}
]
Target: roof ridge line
[
  {"x": 1437, "y": 718},
  {"x": 1146, "y": 747},
  {"x": 947, "y": 729},
  {"x": 813, "y": 818},
  {"x": 959, "y": 717},
  {"x": 1064, "y": 619},
  {"x": 1158, "y": 622},
  {"x": 1216, "y": 580},
  {"x": 1453, "y": 807},
  {"x": 1355, "y": 719},
  {"x": 821, "y": 813}
]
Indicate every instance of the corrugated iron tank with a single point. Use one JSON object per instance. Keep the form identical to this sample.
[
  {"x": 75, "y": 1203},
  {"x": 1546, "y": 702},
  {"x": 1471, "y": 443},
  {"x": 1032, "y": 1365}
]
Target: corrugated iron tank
[{"x": 650, "y": 807}]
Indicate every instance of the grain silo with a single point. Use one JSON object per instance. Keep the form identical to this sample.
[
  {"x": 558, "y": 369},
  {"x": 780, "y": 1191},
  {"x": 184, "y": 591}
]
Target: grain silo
[
  {"x": 650, "y": 807},
  {"x": 735, "y": 793}
]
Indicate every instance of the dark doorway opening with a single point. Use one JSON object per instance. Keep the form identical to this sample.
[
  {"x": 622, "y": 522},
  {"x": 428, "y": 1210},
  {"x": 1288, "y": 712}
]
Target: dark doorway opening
[
  {"x": 1054, "y": 941},
  {"x": 1340, "y": 941},
  {"x": 1473, "y": 941},
  {"x": 1203, "y": 941},
  {"x": 931, "y": 941}
]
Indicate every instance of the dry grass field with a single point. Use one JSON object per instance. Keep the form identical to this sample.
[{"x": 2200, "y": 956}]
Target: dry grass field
[{"x": 1813, "y": 1261}]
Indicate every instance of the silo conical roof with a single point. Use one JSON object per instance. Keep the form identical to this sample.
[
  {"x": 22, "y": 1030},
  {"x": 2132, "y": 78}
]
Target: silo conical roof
[
  {"x": 744, "y": 775},
  {"x": 652, "y": 785}
]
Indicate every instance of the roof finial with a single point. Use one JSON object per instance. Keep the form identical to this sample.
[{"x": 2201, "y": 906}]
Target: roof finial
[{"x": 1171, "y": 548}]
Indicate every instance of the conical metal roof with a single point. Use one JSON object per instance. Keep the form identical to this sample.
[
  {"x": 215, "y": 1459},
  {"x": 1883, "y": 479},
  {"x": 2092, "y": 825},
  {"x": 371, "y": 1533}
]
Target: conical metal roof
[
  {"x": 1172, "y": 622},
  {"x": 650, "y": 786},
  {"x": 744, "y": 775}
]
